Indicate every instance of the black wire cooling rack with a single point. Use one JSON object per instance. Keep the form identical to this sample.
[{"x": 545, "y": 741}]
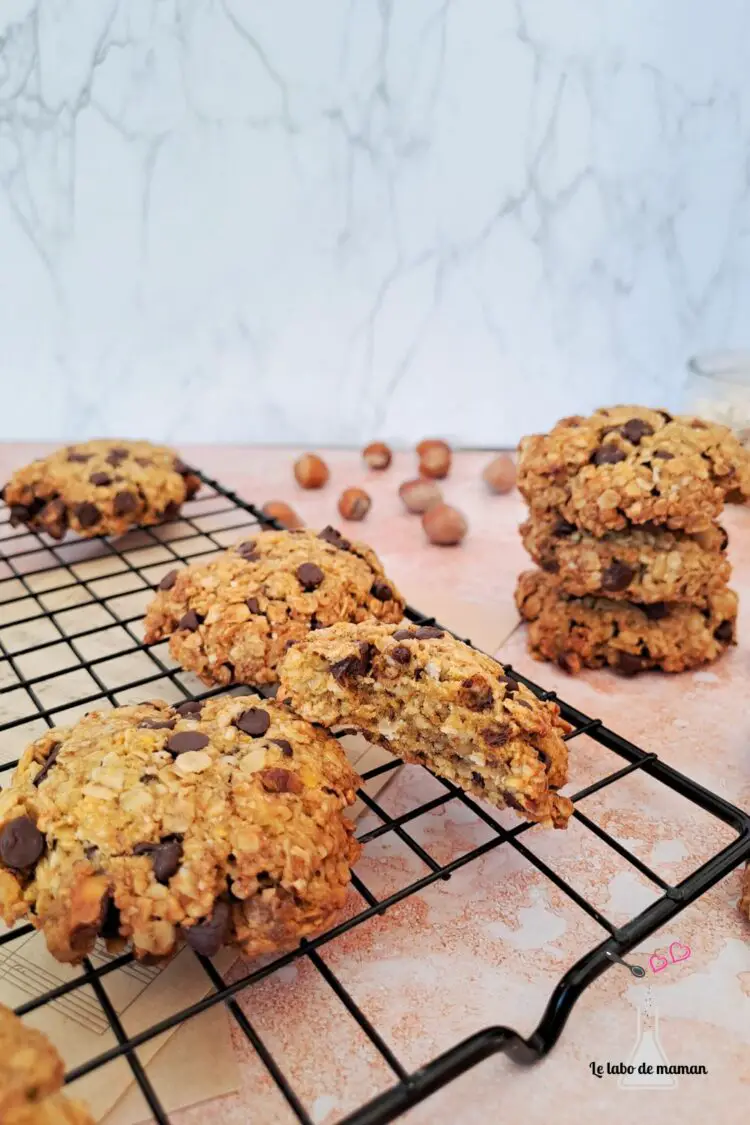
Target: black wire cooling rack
[{"x": 35, "y": 571}]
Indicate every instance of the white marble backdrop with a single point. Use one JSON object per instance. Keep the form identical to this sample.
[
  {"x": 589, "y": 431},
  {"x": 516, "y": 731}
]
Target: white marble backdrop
[{"x": 325, "y": 220}]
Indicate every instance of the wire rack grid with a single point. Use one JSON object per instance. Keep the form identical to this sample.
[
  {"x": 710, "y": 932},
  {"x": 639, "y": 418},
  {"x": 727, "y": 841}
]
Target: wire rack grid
[{"x": 42, "y": 584}]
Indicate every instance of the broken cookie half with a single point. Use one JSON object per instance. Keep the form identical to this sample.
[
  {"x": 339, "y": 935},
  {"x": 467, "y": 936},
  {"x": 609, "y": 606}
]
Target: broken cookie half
[{"x": 436, "y": 702}]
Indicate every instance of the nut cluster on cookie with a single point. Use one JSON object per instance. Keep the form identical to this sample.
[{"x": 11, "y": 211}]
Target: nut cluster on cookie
[{"x": 623, "y": 509}]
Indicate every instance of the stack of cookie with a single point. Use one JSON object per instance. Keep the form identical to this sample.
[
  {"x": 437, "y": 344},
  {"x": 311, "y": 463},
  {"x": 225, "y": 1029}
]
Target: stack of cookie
[{"x": 623, "y": 510}]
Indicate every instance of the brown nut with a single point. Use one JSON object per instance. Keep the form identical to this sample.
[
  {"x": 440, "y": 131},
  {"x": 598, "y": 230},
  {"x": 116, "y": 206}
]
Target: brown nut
[
  {"x": 500, "y": 474},
  {"x": 377, "y": 455},
  {"x": 434, "y": 458},
  {"x": 310, "y": 471},
  {"x": 444, "y": 525},
  {"x": 354, "y": 504},
  {"x": 278, "y": 510},
  {"x": 419, "y": 495}
]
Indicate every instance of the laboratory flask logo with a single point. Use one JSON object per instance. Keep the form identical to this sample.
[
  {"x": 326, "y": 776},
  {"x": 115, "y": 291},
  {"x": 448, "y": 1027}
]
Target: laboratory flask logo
[{"x": 648, "y": 1065}]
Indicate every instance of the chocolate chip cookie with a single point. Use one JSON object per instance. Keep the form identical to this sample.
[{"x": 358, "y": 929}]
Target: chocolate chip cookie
[
  {"x": 643, "y": 564},
  {"x": 31, "y": 1076},
  {"x": 231, "y": 619},
  {"x": 598, "y": 632},
  {"x": 100, "y": 487},
  {"x": 434, "y": 701},
  {"x": 214, "y": 823},
  {"x": 632, "y": 465}
]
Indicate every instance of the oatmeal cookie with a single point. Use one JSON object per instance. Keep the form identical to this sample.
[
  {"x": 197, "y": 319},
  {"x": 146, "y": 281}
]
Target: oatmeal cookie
[
  {"x": 596, "y": 632},
  {"x": 100, "y": 487},
  {"x": 434, "y": 701},
  {"x": 31, "y": 1075},
  {"x": 632, "y": 465},
  {"x": 644, "y": 564},
  {"x": 231, "y": 619},
  {"x": 217, "y": 823}
]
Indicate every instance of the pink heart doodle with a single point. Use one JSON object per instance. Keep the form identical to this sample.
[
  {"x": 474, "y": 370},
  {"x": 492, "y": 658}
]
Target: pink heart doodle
[
  {"x": 657, "y": 962},
  {"x": 679, "y": 952}
]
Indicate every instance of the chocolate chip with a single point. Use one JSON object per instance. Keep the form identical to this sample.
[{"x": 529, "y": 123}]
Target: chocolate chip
[
  {"x": 171, "y": 511},
  {"x": 191, "y": 620},
  {"x": 404, "y": 635},
  {"x": 665, "y": 415},
  {"x": 550, "y": 566},
  {"x": 157, "y": 724},
  {"x": 567, "y": 663},
  {"x": 208, "y": 936},
  {"x": 724, "y": 538},
  {"x": 19, "y": 513},
  {"x": 335, "y": 538},
  {"x": 55, "y": 516},
  {"x": 253, "y": 605},
  {"x": 166, "y": 857},
  {"x": 475, "y": 693},
  {"x": 310, "y": 576},
  {"x": 88, "y": 514},
  {"x": 351, "y": 667},
  {"x": 100, "y": 478},
  {"x": 477, "y": 779},
  {"x": 400, "y": 654},
  {"x": 180, "y": 467},
  {"x": 277, "y": 780},
  {"x": 185, "y": 741},
  {"x": 49, "y": 762},
  {"x": 629, "y": 664},
  {"x": 496, "y": 736},
  {"x": 190, "y": 707},
  {"x": 635, "y": 430},
  {"x": 110, "y": 924},
  {"x": 428, "y": 633},
  {"x": 284, "y": 746},
  {"x": 657, "y": 611},
  {"x": 81, "y": 457},
  {"x": 381, "y": 591},
  {"x": 607, "y": 455},
  {"x": 511, "y": 685},
  {"x": 144, "y": 462},
  {"x": 168, "y": 580},
  {"x": 563, "y": 528},
  {"x": 125, "y": 502},
  {"x": 247, "y": 550},
  {"x": 254, "y": 722},
  {"x": 663, "y": 454},
  {"x": 724, "y": 632},
  {"x": 523, "y": 703},
  {"x": 117, "y": 456},
  {"x": 21, "y": 843},
  {"x": 616, "y": 577},
  {"x": 699, "y": 424}
]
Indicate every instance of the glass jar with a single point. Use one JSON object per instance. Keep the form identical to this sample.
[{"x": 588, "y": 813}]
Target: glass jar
[{"x": 718, "y": 389}]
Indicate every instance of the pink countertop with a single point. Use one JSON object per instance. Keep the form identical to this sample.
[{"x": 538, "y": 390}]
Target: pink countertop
[{"x": 488, "y": 946}]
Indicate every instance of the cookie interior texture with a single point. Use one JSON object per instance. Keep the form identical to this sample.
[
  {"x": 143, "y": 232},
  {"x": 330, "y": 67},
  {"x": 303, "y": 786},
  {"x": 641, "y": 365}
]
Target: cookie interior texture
[
  {"x": 100, "y": 487},
  {"x": 597, "y": 632},
  {"x": 231, "y": 619},
  {"x": 434, "y": 701},
  {"x": 31, "y": 1076},
  {"x": 214, "y": 823},
  {"x": 632, "y": 465}
]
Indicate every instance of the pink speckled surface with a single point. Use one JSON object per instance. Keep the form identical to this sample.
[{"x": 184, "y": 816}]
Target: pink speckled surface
[{"x": 488, "y": 946}]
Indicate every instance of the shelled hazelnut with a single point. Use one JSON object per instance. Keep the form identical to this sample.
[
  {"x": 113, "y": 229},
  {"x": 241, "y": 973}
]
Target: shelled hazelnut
[
  {"x": 278, "y": 510},
  {"x": 310, "y": 471},
  {"x": 500, "y": 474},
  {"x": 444, "y": 525},
  {"x": 434, "y": 458},
  {"x": 420, "y": 494},
  {"x": 377, "y": 455},
  {"x": 354, "y": 504}
]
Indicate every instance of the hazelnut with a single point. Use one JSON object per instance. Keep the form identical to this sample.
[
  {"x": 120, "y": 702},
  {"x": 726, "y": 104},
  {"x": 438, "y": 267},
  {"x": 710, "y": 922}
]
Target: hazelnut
[
  {"x": 310, "y": 471},
  {"x": 377, "y": 455},
  {"x": 500, "y": 474},
  {"x": 278, "y": 510},
  {"x": 419, "y": 495},
  {"x": 434, "y": 458},
  {"x": 444, "y": 525},
  {"x": 354, "y": 504}
]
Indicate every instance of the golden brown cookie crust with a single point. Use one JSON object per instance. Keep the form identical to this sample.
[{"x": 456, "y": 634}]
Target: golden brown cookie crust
[
  {"x": 631, "y": 465},
  {"x": 643, "y": 564},
  {"x": 598, "y": 632},
  {"x": 218, "y": 826},
  {"x": 231, "y": 619},
  {"x": 30, "y": 1067},
  {"x": 100, "y": 487},
  {"x": 434, "y": 701}
]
